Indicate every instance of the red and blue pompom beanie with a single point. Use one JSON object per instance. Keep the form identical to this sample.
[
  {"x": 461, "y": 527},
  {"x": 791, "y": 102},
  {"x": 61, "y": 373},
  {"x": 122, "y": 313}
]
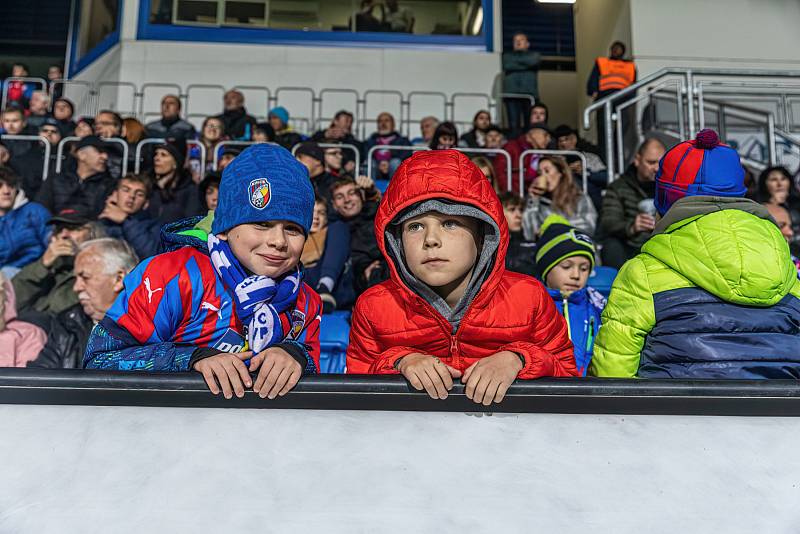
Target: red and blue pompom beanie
[
  {"x": 702, "y": 166},
  {"x": 264, "y": 183}
]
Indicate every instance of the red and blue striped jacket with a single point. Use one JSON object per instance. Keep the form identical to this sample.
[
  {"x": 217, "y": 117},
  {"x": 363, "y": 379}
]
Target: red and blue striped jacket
[{"x": 173, "y": 304}]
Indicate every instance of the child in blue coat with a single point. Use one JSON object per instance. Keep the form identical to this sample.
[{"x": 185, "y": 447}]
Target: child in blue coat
[{"x": 564, "y": 261}]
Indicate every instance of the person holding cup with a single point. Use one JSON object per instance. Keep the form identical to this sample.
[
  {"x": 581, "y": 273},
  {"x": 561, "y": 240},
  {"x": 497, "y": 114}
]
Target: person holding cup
[
  {"x": 624, "y": 226},
  {"x": 554, "y": 191}
]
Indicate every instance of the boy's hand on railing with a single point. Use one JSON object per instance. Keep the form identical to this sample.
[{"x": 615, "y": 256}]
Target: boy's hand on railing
[
  {"x": 489, "y": 378},
  {"x": 227, "y": 372},
  {"x": 428, "y": 372},
  {"x": 278, "y": 372}
]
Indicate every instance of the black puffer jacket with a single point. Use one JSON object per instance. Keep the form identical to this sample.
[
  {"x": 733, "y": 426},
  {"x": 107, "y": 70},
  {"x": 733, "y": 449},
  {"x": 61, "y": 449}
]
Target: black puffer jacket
[
  {"x": 175, "y": 203},
  {"x": 66, "y": 340},
  {"x": 238, "y": 124},
  {"x": 67, "y": 190}
]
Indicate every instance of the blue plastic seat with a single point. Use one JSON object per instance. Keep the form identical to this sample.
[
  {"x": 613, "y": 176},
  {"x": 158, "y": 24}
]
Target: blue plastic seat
[
  {"x": 334, "y": 336},
  {"x": 602, "y": 279},
  {"x": 382, "y": 185}
]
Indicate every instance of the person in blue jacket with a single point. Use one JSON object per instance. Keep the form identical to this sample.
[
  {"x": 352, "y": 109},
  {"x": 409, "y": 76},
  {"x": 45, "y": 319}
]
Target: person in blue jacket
[
  {"x": 564, "y": 261},
  {"x": 23, "y": 225}
]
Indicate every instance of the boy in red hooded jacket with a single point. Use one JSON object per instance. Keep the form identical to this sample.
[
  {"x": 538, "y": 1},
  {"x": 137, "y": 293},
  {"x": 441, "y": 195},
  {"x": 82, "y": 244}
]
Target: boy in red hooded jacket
[{"x": 450, "y": 309}]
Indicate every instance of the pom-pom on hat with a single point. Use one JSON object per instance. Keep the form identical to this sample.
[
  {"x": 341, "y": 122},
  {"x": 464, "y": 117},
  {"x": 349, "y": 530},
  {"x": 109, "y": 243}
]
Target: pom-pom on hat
[
  {"x": 702, "y": 166},
  {"x": 264, "y": 183}
]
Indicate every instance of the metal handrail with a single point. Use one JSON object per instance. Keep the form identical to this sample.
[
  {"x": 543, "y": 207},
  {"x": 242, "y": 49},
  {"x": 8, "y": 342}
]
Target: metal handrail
[
  {"x": 60, "y": 150},
  {"x": 393, "y": 93},
  {"x": 688, "y": 75},
  {"x": 124, "y": 145},
  {"x": 406, "y": 121},
  {"x": 114, "y": 140},
  {"x": 390, "y": 148},
  {"x": 137, "y": 164},
  {"x": 215, "y": 157},
  {"x": 320, "y": 112},
  {"x": 509, "y": 161},
  {"x": 548, "y": 152},
  {"x": 348, "y": 146},
  {"x": 38, "y": 138}
]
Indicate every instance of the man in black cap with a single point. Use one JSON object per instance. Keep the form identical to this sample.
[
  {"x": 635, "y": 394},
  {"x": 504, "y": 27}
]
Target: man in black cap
[
  {"x": 84, "y": 189},
  {"x": 44, "y": 287},
  {"x": 312, "y": 156}
]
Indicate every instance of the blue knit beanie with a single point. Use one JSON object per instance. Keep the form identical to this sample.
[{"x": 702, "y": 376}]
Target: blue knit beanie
[
  {"x": 282, "y": 113},
  {"x": 264, "y": 183}
]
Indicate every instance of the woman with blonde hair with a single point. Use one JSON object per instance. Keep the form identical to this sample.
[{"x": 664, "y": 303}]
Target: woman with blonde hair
[
  {"x": 554, "y": 191},
  {"x": 487, "y": 168}
]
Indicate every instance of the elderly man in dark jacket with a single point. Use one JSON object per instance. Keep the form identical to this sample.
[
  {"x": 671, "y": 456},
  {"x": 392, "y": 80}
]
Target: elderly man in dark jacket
[
  {"x": 100, "y": 267},
  {"x": 86, "y": 188}
]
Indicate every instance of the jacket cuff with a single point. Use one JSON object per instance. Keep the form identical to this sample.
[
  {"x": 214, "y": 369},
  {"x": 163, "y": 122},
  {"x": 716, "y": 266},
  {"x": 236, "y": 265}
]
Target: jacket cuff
[
  {"x": 202, "y": 353},
  {"x": 298, "y": 352}
]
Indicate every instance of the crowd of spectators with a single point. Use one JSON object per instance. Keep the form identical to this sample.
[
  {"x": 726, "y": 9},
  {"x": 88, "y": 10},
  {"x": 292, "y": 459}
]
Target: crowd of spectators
[{"x": 67, "y": 240}]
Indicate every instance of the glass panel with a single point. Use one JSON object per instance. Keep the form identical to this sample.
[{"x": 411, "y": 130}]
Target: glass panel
[
  {"x": 418, "y": 17},
  {"x": 98, "y": 20}
]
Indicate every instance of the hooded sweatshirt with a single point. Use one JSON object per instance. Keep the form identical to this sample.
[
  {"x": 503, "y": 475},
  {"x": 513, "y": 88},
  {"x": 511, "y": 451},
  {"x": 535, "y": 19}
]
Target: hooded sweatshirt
[
  {"x": 500, "y": 310},
  {"x": 713, "y": 294},
  {"x": 20, "y": 342}
]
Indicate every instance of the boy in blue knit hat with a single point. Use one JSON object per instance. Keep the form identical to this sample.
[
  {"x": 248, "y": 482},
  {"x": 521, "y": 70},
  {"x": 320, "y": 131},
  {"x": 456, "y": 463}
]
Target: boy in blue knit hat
[{"x": 228, "y": 292}]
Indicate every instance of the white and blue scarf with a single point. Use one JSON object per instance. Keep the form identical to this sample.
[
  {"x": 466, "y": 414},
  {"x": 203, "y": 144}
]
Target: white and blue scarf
[{"x": 259, "y": 300}]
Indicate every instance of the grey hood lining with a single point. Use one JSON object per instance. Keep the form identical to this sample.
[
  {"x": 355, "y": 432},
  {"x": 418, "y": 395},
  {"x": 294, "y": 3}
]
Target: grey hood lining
[{"x": 483, "y": 267}]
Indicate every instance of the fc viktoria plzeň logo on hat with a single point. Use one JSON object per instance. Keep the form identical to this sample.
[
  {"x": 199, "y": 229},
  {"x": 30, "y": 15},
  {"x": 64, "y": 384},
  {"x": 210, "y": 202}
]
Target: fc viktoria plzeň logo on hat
[{"x": 259, "y": 193}]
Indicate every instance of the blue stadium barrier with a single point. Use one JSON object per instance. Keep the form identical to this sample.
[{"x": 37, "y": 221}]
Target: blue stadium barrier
[
  {"x": 334, "y": 335},
  {"x": 602, "y": 278}
]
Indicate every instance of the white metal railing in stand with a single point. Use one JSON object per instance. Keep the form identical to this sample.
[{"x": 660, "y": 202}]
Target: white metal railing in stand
[
  {"x": 495, "y": 151},
  {"x": 547, "y": 152},
  {"x": 352, "y": 148},
  {"x": 221, "y": 144},
  {"x": 111, "y": 140},
  {"x": 389, "y": 148},
  {"x": 693, "y": 88},
  {"x": 37, "y": 139}
]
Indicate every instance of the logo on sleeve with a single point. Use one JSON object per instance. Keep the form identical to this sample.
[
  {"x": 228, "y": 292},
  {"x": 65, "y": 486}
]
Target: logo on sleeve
[
  {"x": 259, "y": 193},
  {"x": 298, "y": 319}
]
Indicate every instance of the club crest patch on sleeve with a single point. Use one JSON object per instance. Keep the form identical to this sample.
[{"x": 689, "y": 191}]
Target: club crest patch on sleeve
[
  {"x": 259, "y": 193},
  {"x": 298, "y": 321}
]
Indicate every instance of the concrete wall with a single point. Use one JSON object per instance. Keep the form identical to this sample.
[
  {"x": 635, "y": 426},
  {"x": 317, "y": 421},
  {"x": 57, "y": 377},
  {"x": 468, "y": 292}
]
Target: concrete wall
[
  {"x": 759, "y": 34},
  {"x": 598, "y": 23},
  {"x": 77, "y": 469}
]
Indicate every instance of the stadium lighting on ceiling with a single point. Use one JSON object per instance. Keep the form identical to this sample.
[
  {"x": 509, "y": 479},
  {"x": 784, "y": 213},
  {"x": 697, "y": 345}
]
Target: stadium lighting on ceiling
[{"x": 556, "y": 1}]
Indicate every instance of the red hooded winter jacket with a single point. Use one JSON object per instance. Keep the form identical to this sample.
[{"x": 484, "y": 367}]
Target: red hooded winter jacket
[{"x": 510, "y": 312}]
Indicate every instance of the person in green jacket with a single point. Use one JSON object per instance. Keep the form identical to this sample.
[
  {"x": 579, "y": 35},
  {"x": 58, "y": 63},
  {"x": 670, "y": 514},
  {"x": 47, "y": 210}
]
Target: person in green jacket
[
  {"x": 713, "y": 293},
  {"x": 521, "y": 68},
  {"x": 44, "y": 287}
]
